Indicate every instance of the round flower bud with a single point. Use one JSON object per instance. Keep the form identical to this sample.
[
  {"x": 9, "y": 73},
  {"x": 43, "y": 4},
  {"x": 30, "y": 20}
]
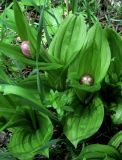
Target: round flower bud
[
  {"x": 86, "y": 79},
  {"x": 25, "y": 48}
]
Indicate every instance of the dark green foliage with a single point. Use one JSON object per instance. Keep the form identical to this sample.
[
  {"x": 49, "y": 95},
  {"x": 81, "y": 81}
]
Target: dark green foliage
[{"x": 44, "y": 101}]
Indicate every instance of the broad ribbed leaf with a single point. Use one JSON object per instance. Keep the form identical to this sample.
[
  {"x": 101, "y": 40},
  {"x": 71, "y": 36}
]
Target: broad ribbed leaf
[
  {"x": 98, "y": 152},
  {"x": 84, "y": 122},
  {"x": 29, "y": 95},
  {"x": 66, "y": 45},
  {"x": 115, "y": 43},
  {"x": 31, "y": 139},
  {"x": 116, "y": 141},
  {"x": 94, "y": 58}
]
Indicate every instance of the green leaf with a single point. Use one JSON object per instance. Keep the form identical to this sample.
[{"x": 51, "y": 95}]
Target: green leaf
[
  {"x": 117, "y": 115},
  {"x": 98, "y": 152},
  {"x": 94, "y": 58},
  {"x": 15, "y": 53},
  {"x": 40, "y": 85},
  {"x": 25, "y": 93},
  {"x": 36, "y": 2},
  {"x": 27, "y": 140},
  {"x": 7, "y": 18},
  {"x": 21, "y": 22},
  {"x": 61, "y": 101},
  {"x": 7, "y": 109},
  {"x": 84, "y": 122},
  {"x": 66, "y": 45},
  {"x": 4, "y": 77},
  {"x": 115, "y": 43},
  {"x": 108, "y": 158},
  {"x": 5, "y": 101},
  {"x": 116, "y": 141},
  {"x": 25, "y": 31},
  {"x": 53, "y": 17},
  {"x": 120, "y": 149},
  {"x": 29, "y": 95}
]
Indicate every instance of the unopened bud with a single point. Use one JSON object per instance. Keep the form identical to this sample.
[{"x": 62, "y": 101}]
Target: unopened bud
[
  {"x": 25, "y": 48},
  {"x": 86, "y": 79}
]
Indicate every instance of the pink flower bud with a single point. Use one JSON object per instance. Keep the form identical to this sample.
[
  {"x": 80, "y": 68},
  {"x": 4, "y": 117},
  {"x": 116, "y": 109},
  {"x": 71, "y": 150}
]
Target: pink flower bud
[{"x": 25, "y": 48}]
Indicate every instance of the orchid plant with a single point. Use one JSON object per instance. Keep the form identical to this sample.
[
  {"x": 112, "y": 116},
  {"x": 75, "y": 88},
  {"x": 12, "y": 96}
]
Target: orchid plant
[{"x": 75, "y": 81}]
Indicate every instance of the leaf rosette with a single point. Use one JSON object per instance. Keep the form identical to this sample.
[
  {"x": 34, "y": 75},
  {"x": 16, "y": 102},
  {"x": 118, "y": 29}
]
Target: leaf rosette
[
  {"x": 93, "y": 60},
  {"x": 31, "y": 134}
]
